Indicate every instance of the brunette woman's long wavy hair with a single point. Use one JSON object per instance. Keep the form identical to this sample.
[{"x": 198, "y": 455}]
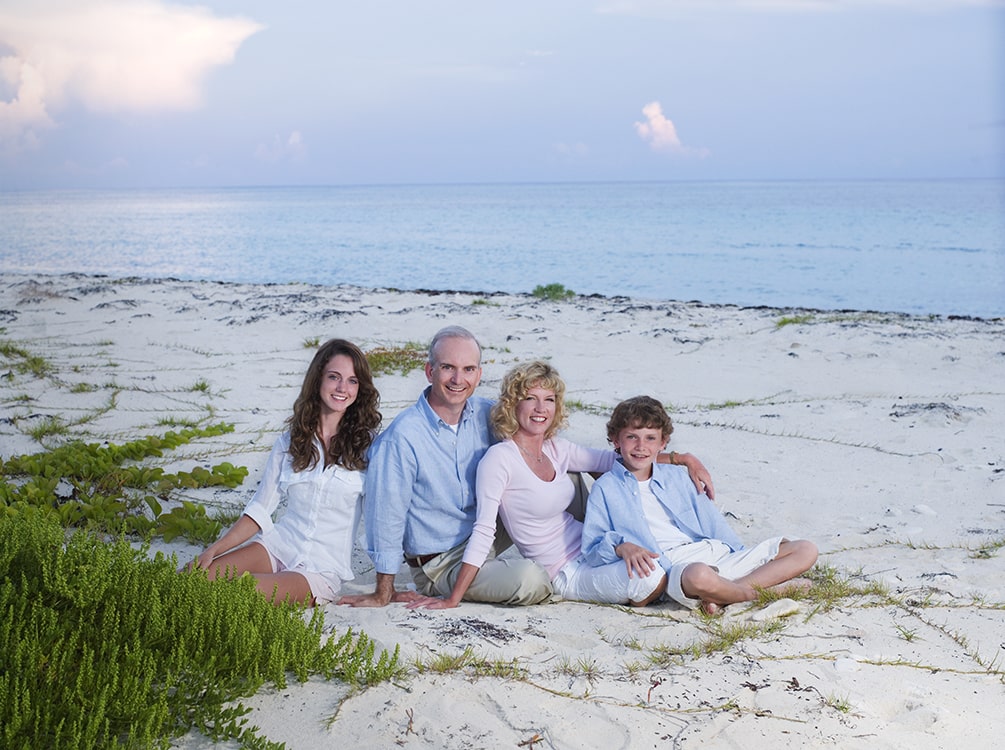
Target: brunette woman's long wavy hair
[{"x": 359, "y": 425}]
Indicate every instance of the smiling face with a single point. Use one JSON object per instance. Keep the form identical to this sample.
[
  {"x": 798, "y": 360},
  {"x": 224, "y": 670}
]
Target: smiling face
[
  {"x": 639, "y": 447},
  {"x": 454, "y": 372},
  {"x": 339, "y": 385},
  {"x": 535, "y": 412}
]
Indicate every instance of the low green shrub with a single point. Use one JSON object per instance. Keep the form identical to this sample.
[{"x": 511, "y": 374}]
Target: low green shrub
[
  {"x": 102, "y": 646},
  {"x": 553, "y": 292},
  {"x": 385, "y": 360}
]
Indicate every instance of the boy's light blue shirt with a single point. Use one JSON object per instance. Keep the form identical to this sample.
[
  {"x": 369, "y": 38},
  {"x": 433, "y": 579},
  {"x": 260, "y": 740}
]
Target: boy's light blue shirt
[
  {"x": 614, "y": 513},
  {"x": 420, "y": 482}
]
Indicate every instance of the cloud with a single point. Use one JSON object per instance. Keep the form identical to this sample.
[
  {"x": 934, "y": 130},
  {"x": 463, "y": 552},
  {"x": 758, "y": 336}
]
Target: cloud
[
  {"x": 111, "y": 56},
  {"x": 26, "y": 112},
  {"x": 661, "y": 134},
  {"x": 293, "y": 148}
]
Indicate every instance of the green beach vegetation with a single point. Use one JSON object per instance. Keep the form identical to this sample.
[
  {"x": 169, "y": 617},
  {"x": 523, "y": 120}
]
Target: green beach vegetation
[
  {"x": 24, "y": 362},
  {"x": 104, "y": 646},
  {"x": 108, "y": 488},
  {"x": 553, "y": 292},
  {"x": 794, "y": 320},
  {"x": 385, "y": 360}
]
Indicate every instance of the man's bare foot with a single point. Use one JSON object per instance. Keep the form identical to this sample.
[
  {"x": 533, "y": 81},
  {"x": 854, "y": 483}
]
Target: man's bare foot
[{"x": 657, "y": 593}]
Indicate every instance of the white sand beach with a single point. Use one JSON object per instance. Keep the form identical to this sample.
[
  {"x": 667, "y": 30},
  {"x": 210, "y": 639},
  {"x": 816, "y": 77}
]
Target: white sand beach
[{"x": 878, "y": 436}]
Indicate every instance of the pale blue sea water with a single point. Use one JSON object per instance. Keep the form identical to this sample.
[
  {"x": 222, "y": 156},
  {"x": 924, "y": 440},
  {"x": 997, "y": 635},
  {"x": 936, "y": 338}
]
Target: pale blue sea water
[{"x": 919, "y": 247}]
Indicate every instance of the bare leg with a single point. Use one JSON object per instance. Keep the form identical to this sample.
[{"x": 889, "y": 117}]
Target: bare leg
[
  {"x": 793, "y": 559},
  {"x": 254, "y": 559},
  {"x": 285, "y": 585},
  {"x": 701, "y": 581}
]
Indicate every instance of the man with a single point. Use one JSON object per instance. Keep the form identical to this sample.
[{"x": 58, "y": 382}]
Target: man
[{"x": 420, "y": 488}]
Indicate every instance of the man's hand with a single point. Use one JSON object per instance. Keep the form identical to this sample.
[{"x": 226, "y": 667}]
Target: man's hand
[
  {"x": 383, "y": 594},
  {"x": 406, "y": 596},
  {"x": 364, "y": 600}
]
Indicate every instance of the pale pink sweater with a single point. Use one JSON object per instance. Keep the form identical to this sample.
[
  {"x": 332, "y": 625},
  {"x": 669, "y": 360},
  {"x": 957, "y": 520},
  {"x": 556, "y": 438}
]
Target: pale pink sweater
[{"x": 532, "y": 510}]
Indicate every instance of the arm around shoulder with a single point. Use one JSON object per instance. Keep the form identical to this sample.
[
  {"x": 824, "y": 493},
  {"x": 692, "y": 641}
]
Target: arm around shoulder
[{"x": 695, "y": 469}]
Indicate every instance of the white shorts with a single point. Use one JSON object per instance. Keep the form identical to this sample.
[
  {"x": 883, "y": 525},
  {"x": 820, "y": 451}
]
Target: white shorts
[
  {"x": 712, "y": 552},
  {"x": 605, "y": 584},
  {"x": 325, "y": 587}
]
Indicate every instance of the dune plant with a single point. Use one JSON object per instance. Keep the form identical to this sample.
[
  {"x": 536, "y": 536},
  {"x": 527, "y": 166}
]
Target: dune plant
[
  {"x": 469, "y": 662},
  {"x": 112, "y": 488},
  {"x": 553, "y": 292},
  {"x": 201, "y": 385},
  {"x": 24, "y": 362},
  {"x": 102, "y": 646},
  {"x": 790, "y": 320},
  {"x": 400, "y": 359}
]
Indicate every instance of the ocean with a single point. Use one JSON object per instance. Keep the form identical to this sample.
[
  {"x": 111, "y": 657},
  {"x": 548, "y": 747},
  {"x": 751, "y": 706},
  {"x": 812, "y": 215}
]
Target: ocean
[{"x": 920, "y": 247}]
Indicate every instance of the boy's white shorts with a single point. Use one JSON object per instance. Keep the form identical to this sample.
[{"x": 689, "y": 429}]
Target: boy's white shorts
[{"x": 730, "y": 565}]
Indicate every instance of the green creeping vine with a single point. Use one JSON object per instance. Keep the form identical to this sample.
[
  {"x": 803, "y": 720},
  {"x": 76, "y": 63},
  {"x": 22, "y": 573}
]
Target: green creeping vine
[
  {"x": 89, "y": 485},
  {"x": 103, "y": 647}
]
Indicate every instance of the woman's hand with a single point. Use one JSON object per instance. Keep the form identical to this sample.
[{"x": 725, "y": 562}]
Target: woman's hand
[
  {"x": 638, "y": 559},
  {"x": 697, "y": 472},
  {"x": 243, "y": 529},
  {"x": 431, "y": 602},
  {"x": 204, "y": 560}
]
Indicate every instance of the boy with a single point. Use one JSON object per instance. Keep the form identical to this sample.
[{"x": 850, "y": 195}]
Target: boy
[{"x": 648, "y": 514}]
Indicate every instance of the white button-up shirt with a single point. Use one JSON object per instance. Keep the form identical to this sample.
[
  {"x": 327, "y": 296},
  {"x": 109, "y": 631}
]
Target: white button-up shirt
[{"x": 322, "y": 512}]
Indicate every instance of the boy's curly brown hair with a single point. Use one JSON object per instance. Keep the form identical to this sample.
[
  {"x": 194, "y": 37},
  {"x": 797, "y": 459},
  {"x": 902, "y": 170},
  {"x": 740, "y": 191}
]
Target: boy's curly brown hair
[{"x": 639, "y": 411}]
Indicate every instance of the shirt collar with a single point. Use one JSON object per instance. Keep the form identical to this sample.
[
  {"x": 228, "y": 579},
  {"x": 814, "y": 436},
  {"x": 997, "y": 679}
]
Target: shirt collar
[
  {"x": 626, "y": 475},
  {"x": 434, "y": 419}
]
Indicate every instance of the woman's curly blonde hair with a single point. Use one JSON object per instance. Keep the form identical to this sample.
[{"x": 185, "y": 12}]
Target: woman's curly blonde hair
[{"x": 515, "y": 386}]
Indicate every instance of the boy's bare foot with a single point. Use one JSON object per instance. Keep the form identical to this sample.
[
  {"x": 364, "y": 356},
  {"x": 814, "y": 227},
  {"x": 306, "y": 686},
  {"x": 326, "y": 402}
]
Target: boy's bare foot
[
  {"x": 710, "y": 608},
  {"x": 657, "y": 593}
]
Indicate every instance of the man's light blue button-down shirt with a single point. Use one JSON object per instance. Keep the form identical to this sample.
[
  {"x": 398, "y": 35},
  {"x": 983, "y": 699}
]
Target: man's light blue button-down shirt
[{"x": 420, "y": 482}]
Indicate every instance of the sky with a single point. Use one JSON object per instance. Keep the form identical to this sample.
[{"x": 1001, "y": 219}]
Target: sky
[{"x": 148, "y": 93}]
